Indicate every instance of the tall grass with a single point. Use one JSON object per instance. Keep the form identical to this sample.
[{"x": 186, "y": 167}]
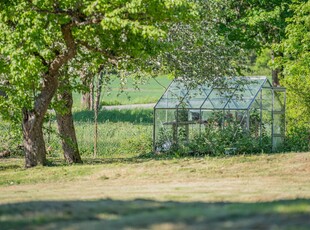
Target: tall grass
[{"x": 122, "y": 133}]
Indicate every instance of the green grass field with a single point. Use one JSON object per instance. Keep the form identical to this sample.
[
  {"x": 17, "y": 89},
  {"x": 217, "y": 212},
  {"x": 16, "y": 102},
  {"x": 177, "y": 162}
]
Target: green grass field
[
  {"x": 148, "y": 92},
  {"x": 238, "y": 192},
  {"x": 121, "y": 133}
]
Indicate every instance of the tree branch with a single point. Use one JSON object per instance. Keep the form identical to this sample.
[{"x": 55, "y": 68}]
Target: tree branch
[
  {"x": 111, "y": 58},
  {"x": 61, "y": 59},
  {"x": 91, "y": 21},
  {"x": 37, "y": 54}
]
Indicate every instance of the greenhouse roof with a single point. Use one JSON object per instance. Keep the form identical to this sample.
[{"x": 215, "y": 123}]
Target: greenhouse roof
[{"x": 237, "y": 93}]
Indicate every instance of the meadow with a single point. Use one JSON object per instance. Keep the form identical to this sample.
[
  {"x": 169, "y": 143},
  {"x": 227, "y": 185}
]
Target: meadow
[
  {"x": 121, "y": 133},
  {"x": 126, "y": 186},
  {"x": 116, "y": 93}
]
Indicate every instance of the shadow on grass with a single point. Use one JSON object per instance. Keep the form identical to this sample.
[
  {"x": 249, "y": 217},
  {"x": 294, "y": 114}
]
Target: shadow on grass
[
  {"x": 124, "y": 115},
  {"x": 146, "y": 214},
  {"x": 9, "y": 166},
  {"x": 56, "y": 161}
]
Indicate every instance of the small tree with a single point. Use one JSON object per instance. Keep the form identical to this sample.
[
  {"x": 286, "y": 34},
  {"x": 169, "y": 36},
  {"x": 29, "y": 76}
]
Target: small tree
[{"x": 296, "y": 62}]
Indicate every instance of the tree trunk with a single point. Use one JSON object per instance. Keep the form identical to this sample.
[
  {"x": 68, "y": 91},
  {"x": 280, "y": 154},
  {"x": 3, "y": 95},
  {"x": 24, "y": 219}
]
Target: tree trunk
[
  {"x": 275, "y": 77},
  {"x": 275, "y": 72},
  {"x": 34, "y": 145},
  {"x": 92, "y": 95},
  {"x": 85, "y": 101},
  {"x": 96, "y": 108},
  {"x": 66, "y": 129}
]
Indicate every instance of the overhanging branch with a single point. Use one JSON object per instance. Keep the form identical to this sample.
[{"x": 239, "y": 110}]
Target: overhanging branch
[{"x": 111, "y": 58}]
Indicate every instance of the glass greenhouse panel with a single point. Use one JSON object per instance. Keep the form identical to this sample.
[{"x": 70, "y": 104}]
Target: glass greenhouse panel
[
  {"x": 278, "y": 124},
  {"x": 217, "y": 100},
  {"x": 163, "y": 139},
  {"x": 242, "y": 104},
  {"x": 195, "y": 98},
  {"x": 267, "y": 99},
  {"x": 168, "y": 103},
  {"x": 254, "y": 85},
  {"x": 249, "y": 105},
  {"x": 276, "y": 143},
  {"x": 267, "y": 123},
  {"x": 279, "y": 100}
]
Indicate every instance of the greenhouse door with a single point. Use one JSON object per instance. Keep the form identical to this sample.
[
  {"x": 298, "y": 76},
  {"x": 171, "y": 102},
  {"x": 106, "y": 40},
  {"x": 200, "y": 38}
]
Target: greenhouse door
[{"x": 278, "y": 117}]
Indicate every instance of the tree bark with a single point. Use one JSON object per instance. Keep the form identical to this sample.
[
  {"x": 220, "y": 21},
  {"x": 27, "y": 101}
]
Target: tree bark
[
  {"x": 85, "y": 101},
  {"x": 34, "y": 145},
  {"x": 275, "y": 77},
  {"x": 96, "y": 109},
  {"x": 275, "y": 73},
  {"x": 66, "y": 129}
]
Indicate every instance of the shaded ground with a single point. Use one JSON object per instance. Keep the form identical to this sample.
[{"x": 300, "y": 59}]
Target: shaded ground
[{"x": 151, "y": 214}]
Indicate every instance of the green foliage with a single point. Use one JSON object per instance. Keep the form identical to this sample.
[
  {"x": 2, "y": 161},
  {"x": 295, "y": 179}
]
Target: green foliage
[
  {"x": 10, "y": 138},
  {"x": 256, "y": 24},
  {"x": 200, "y": 52},
  {"x": 296, "y": 63},
  {"x": 297, "y": 139},
  {"x": 218, "y": 137},
  {"x": 230, "y": 140},
  {"x": 41, "y": 40}
]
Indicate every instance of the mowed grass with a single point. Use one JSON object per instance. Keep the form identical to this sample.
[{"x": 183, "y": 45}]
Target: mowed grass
[{"x": 237, "y": 192}]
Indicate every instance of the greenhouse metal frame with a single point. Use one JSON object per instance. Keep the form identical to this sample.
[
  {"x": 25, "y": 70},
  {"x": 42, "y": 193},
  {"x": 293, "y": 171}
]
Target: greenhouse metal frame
[{"x": 252, "y": 102}]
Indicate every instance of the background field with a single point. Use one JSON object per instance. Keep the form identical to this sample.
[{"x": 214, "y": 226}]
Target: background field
[{"x": 116, "y": 94}]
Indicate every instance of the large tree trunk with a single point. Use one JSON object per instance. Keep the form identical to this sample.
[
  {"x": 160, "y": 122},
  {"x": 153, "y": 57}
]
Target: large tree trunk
[
  {"x": 66, "y": 129},
  {"x": 34, "y": 145}
]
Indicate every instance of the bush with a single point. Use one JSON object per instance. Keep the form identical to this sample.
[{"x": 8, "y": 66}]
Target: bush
[
  {"x": 297, "y": 139},
  {"x": 231, "y": 140},
  {"x": 10, "y": 139}
]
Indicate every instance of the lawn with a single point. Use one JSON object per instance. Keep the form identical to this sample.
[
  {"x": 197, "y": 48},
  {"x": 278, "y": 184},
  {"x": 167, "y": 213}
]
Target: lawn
[{"x": 266, "y": 191}]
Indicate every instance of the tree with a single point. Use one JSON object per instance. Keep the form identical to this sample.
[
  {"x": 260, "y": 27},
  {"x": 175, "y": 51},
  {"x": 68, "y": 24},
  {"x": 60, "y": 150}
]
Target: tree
[
  {"x": 65, "y": 122},
  {"x": 257, "y": 25},
  {"x": 200, "y": 53},
  {"x": 40, "y": 37},
  {"x": 296, "y": 61}
]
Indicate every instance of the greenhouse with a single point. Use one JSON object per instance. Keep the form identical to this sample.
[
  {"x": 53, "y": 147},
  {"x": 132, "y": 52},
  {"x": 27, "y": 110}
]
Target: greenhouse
[{"x": 243, "y": 106}]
